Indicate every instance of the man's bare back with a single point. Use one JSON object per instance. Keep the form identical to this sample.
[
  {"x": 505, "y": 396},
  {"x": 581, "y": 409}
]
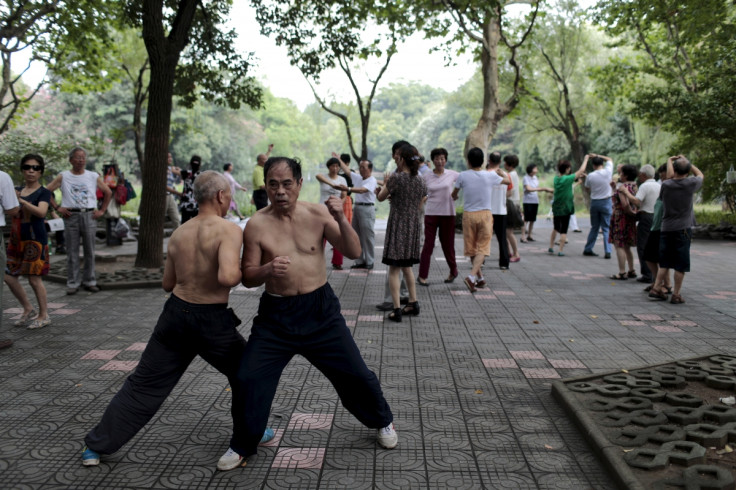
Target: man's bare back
[
  {"x": 202, "y": 262},
  {"x": 284, "y": 242}
]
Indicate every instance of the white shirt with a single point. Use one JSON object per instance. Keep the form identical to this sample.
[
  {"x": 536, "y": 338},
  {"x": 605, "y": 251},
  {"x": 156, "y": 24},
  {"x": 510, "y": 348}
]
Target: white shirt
[
  {"x": 648, "y": 193},
  {"x": 8, "y": 199},
  {"x": 515, "y": 196},
  {"x": 498, "y": 199},
  {"x": 530, "y": 197},
  {"x": 369, "y": 184},
  {"x": 599, "y": 182},
  {"x": 325, "y": 191},
  {"x": 476, "y": 186},
  {"x": 79, "y": 191}
]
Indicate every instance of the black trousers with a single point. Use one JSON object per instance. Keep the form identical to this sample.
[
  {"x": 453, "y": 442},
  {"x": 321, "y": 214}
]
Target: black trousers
[
  {"x": 643, "y": 228},
  {"x": 499, "y": 229},
  {"x": 260, "y": 198},
  {"x": 184, "y": 330},
  {"x": 310, "y": 325},
  {"x": 187, "y": 214}
]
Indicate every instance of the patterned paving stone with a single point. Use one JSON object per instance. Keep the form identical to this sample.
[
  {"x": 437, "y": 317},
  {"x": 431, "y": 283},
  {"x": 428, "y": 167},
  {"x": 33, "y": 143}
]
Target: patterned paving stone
[{"x": 302, "y": 458}]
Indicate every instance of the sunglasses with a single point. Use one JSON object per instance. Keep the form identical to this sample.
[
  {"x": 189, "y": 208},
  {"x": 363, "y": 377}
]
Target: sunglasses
[{"x": 35, "y": 168}]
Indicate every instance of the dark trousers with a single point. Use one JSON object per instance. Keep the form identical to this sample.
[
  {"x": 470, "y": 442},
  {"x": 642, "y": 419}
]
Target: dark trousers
[
  {"x": 312, "y": 326},
  {"x": 187, "y": 214},
  {"x": 260, "y": 198},
  {"x": 110, "y": 238},
  {"x": 499, "y": 229},
  {"x": 184, "y": 330},
  {"x": 446, "y": 226},
  {"x": 643, "y": 227}
]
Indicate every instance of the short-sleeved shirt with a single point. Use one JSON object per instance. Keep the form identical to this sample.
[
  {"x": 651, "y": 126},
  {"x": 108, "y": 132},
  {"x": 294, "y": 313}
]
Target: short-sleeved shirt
[
  {"x": 657, "y": 218},
  {"x": 476, "y": 186},
  {"x": 498, "y": 199},
  {"x": 8, "y": 199},
  {"x": 599, "y": 182},
  {"x": 439, "y": 193},
  {"x": 258, "y": 178},
  {"x": 648, "y": 194},
  {"x": 515, "y": 198},
  {"x": 79, "y": 191},
  {"x": 530, "y": 197},
  {"x": 33, "y": 227},
  {"x": 563, "y": 203},
  {"x": 369, "y": 184},
  {"x": 325, "y": 191},
  {"x": 677, "y": 198}
]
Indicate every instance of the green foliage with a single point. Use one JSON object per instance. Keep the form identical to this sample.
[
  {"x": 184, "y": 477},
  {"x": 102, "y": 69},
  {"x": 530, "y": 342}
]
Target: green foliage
[{"x": 714, "y": 217}]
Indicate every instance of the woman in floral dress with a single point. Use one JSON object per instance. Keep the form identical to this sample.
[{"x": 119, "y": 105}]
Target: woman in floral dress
[{"x": 623, "y": 223}]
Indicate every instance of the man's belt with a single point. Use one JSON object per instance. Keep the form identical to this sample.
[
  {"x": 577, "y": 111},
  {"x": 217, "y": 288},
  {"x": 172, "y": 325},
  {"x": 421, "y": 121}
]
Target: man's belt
[
  {"x": 80, "y": 210},
  {"x": 364, "y": 204}
]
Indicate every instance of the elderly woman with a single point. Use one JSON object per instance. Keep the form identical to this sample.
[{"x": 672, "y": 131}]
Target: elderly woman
[
  {"x": 401, "y": 246},
  {"x": 623, "y": 223},
  {"x": 28, "y": 248},
  {"x": 439, "y": 214}
]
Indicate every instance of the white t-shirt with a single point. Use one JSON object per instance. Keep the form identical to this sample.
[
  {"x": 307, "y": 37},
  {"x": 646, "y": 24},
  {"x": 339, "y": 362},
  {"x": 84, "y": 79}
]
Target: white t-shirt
[
  {"x": 648, "y": 194},
  {"x": 530, "y": 197},
  {"x": 515, "y": 192},
  {"x": 599, "y": 182},
  {"x": 498, "y": 199},
  {"x": 476, "y": 186},
  {"x": 8, "y": 199},
  {"x": 79, "y": 191},
  {"x": 369, "y": 183},
  {"x": 325, "y": 191}
]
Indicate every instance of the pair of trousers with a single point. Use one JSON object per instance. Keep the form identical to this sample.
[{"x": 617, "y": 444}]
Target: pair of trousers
[
  {"x": 446, "y": 227},
  {"x": 260, "y": 198},
  {"x": 184, "y": 330},
  {"x": 80, "y": 226},
  {"x": 187, "y": 214},
  {"x": 643, "y": 228},
  {"x": 312, "y": 326},
  {"x": 172, "y": 211},
  {"x": 364, "y": 219},
  {"x": 600, "y": 218},
  {"x": 499, "y": 229}
]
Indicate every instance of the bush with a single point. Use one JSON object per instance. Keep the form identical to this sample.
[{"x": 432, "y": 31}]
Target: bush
[{"x": 714, "y": 217}]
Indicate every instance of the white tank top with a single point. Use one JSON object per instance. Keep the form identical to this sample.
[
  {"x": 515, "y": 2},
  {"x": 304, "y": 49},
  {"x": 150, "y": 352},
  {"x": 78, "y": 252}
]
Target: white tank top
[{"x": 79, "y": 191}]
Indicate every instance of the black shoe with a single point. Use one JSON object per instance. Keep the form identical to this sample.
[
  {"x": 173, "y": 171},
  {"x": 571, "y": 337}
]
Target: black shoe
[
  {"x": 91, "y": 289},
  {"x": 590, "y": 253},
  {"x": 337, "y": 267},
  {"x": 368, "y": 267},
  {"x": 60, "y": 251},
  {"x": 411, "y": 309},
  {"x": 387, "y": 306},
  {"x": 395, "y": 316},
  {"x": 645, "y": 279},
  {"x": 607, "y": 256},
  {"x": 404, "y": 300},
  {"x": 359, "y": 266}
]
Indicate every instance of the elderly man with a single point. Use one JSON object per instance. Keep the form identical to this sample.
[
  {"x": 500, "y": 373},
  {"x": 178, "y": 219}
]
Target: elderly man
[
  {"x": 79, "y": 210},
  {"x": 678, "y": 193},
  {"x": 8, "y": 205},
  {"x": 260, "y": 197},
  {"x": 599, "y": 183},
  {"x": 298, "y": 312},
  {"x": 202, "y": 265},
  {"x": 645, "y": 199}
]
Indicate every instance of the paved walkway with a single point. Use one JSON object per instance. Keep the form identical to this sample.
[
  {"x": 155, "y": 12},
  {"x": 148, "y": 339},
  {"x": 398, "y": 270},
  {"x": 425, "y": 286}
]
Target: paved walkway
[{"x": 468, "y": 380}]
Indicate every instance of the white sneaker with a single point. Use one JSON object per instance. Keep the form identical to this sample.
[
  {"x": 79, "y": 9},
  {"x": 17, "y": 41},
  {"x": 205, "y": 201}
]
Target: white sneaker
[
  {"x": 230, "y": 460},
  {"x": 387, "y": 437}
]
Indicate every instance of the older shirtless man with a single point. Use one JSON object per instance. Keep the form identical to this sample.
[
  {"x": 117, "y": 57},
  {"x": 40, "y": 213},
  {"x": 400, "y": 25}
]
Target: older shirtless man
[
  {"x": 202, "y": 264},
  {"x": 299, "y": 313}
]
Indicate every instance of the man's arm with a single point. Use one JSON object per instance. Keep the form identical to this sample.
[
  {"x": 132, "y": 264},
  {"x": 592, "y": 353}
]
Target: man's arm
[
  {"x": 696, "y": 172},
  {"x": 632, "y": 198},
  {"x": 228, "y": 257},
  {"x": 107, "y": 194},
  {"x": 268, "y": 153},
  {"x": 344, "y": 166},
  {"x": 169, "y": 280},
  {"x": 339, "y": 232}
]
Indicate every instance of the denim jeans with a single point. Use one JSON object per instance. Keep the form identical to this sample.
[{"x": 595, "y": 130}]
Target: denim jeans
[{"x": 600, "y": 217}]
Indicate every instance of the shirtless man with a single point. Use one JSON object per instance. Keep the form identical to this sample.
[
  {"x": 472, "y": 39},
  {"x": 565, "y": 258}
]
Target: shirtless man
[
  {"x": 201, "y": 267},
  {"x": 299, "y": 313}
]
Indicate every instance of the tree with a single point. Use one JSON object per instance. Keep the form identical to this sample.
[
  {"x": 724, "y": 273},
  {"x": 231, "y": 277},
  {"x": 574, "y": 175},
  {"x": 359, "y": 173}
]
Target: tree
[
  {"x": 210, "y": 68},
  {"x": 679, "y": 75},
  {"x": 69, "y": 36},
  {"x": 319, "y": 35},
  {"x": 488, "y": 25}
]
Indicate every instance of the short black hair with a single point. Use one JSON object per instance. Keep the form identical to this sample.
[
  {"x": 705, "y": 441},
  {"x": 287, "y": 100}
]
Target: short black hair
[
  {"x": 226, "y": 166},
  {"x": 293, "y": 163},
  {"x": 563, "y": 166},
  {"x": 370, "y": 164},
  {"x": 345, "y": 158},
  {"x": 332, "y": 161},
  {"x": 437, "y": 152},
  {"x": 511, "y": 160},
  {"x": 475, "y": 157},
  {"x": 398, "y": 145},
  {"x": 33, "y": 156},
  {"x": 630, "y": 171},
  {"x": 598, "y": 161},
  {"x": 530, "y": 168},
  {"x": 494, "y": 157}
]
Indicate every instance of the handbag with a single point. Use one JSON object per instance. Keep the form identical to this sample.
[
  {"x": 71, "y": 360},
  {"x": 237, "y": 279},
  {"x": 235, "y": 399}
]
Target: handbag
[
  {"x": 121, "y": 194},
  {"x": 131, "y": 190},
  {"x": 111, "y": 180}
]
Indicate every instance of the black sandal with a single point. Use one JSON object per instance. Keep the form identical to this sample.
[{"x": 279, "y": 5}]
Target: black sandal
[
  {"x": 619, "y": 277},
  {"x": 395, "y": 316},
  {"x": 422, "y": 282},
  {"x": 411, "y": 309},
  {"x": 631, "y": 275},
  {"x": 450, "y": 279}
]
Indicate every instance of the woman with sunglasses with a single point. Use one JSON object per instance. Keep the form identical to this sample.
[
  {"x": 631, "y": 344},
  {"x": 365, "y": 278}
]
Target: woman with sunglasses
[{"x": 28, "y": 249}]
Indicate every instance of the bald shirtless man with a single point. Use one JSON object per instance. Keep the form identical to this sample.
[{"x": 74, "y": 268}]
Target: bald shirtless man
[
  {"x": 202, "y": 264},
  {"x": 299, "y": 313}
]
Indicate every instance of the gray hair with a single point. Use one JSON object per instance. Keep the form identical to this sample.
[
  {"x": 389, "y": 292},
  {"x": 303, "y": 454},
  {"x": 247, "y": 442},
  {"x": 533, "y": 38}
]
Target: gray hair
[
  {"x": 76, "y": 149},
  {"x": 208, "y": 184},
  {"x": 681, "y": 166},
  {"x": 647, "y": 170}
]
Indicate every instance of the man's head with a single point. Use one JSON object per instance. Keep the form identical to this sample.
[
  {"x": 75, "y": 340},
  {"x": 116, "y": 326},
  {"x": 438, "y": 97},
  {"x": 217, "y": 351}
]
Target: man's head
[
  {"x": 494, "y": 160},
  {"x": 228, "y": 167},
  {"x": 345, "y": 158},
  {"x": 681, "y": 166},
  {"x": 283, "y": 181},
  {"x": 564, "y": 167},
  {"x": 510, "y": 162},
  {"x": 475, "y": 157},
  {"x": 195, "y": 162},
  {"x": 261, "y": 159},
  {"x": 646, "y": 172},
  {"x": 597, "y": 162},
  {"x": 662, "y": 171},
  {"x": 211, "y": 187},
  {"x": 365, "y": 168},
  {"x": 395, "y": 149},
  {"x": 78, "y": 158}
]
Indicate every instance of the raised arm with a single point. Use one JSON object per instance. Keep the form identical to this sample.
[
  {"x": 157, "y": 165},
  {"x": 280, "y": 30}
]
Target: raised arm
[{"x": 339, "y": 232}]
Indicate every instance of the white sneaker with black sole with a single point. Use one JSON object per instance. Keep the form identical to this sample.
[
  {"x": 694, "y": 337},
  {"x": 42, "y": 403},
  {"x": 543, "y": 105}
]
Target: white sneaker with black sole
[{"x": 387, "y": 437}]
